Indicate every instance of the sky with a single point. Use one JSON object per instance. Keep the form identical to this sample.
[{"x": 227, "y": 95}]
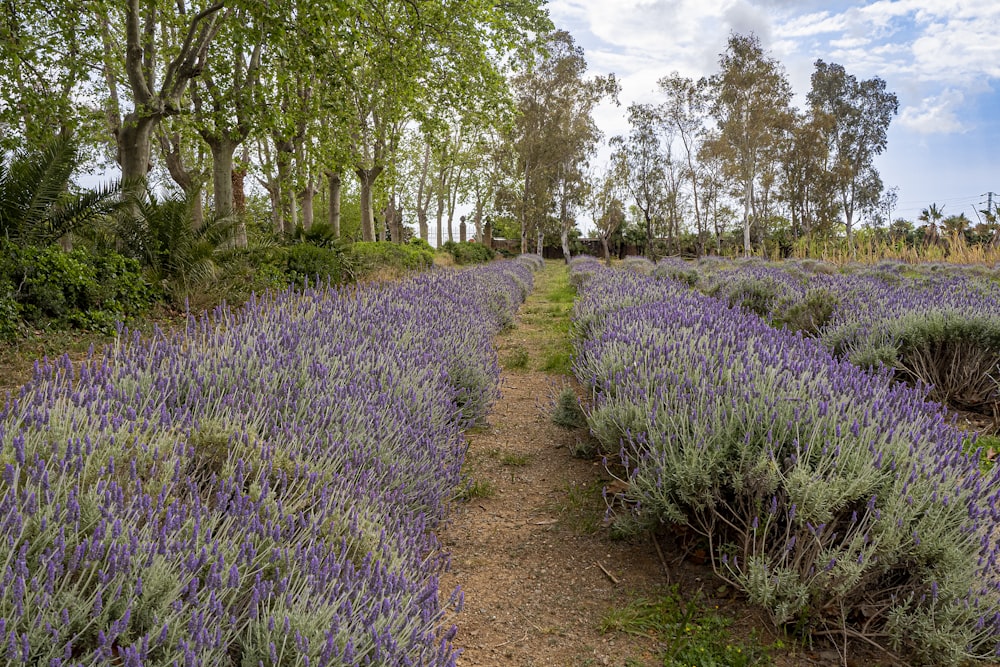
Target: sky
[{"x": 940, "y": 57}]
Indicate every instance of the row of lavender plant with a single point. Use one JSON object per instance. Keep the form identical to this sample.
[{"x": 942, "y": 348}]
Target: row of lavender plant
[
  {"x": 258, "y": 489},
  {"x": 939, "y": 325},
  {"x": 836, "y": 498}
]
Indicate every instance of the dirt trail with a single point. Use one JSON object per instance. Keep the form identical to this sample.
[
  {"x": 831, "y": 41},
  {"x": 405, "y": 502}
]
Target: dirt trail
[
  {"x": 528, "y": 556},
  {"x": 538, "y": 570}
]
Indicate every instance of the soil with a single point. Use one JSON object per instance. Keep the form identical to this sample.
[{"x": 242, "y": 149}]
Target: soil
[{"x": 538, "y": 569}]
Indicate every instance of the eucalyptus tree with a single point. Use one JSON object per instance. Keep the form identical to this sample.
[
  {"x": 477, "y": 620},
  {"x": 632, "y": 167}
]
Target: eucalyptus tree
[
  {"x": 806, "y": 187},
  {"x": 685, "y": 111},
  {"x": 555, "y": 133},
  {"x": 606, "y": 206},
  {"x": 861, "y": 112},
  {"x": 642, "y": 161},
  {"x": 751, "y": 108}
]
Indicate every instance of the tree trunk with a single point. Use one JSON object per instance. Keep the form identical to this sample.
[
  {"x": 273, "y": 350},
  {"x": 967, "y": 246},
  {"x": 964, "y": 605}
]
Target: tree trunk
[
  {"x": 222, "y": 174},
  {"x": 308, "y": 197},
  {"x": 461, "y": 229},
  {"x": 333, "y": 212},
  {"x": 540, "y": 245},
  {"x": 607, "y": 251},
  {"x": 746, "y": 220},
  {"x": 367, "y": 177},
  {"x": 239, "y": 191},
  {"x": 564, "y": 238},
  {"x": 440, "y": 218},
  {"x": 649, "y": 234},
  {"x": 188, "y": 182},
  {"x": 134, "y": 140},
  {"x": 488, "y": 235},
  {"x": 394, "y": 220},
  {"x": 286, "y": 189},
  {"x": 478, "y": 220},
  {"x": 524, "y": 211}
]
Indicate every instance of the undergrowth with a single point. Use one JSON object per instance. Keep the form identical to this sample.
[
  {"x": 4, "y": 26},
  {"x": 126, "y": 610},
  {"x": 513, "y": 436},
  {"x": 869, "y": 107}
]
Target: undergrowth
[{"x": 693, "y": 635}]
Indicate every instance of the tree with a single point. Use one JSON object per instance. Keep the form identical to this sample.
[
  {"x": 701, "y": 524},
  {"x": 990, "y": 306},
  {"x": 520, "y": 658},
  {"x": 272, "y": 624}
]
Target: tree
[
  {"x": 685, "y": 111},
  {"x": 642, "y": 161},
  {"x": 44, "y": 79},
  {"x": 861, "y": 113},
  {"x": 153, "y": 31},
  {"x": 607, "y": 208},
  {"x": 554, "y": 133},
  {"x": 751, "y": 108}
]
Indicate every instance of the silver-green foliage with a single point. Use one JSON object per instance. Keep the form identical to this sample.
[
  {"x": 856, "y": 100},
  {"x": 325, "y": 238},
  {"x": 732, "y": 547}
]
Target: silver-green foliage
[{"x": 838, "y": 499}]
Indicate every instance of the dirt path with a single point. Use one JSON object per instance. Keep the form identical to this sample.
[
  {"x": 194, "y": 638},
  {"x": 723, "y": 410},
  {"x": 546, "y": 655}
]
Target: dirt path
[
  {"x": 527, "y": 546},
  {"x": 540, "y": 573}
]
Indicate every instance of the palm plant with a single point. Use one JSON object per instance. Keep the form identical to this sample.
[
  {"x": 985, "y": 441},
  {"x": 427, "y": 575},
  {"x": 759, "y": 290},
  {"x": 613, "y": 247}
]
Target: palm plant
[
  {"x": 158, "y": 233},
  {"x": 37, "y": 206}
]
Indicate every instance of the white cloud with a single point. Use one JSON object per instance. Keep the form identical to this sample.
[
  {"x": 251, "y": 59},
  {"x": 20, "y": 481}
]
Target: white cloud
[{"x": 935, "y": 115}]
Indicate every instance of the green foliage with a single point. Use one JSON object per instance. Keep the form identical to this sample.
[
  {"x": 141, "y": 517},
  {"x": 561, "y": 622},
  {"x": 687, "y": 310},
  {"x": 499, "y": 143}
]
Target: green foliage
[
  {"x": 36, "y": 205},
  {"x": 10, "y": 312},
  {"x": 694, "y": 637},
  {"x": 985, "y": 447},
  {"x": 468, "y": 252},
  {"x": 567, "y": 412},
  {"x": 515, "y": 359},
  {"x": 77, "y": 288},
  {"x": 757, "y": 296},
  {"x": 808, "y": 314},
  {"x": 478, "y": 488},
  {"x": 372, "y": 256},
  {"x": 558, "y": 361},
  {"x": 306, "y": 262},
  {"x": 516, "y": 459}
]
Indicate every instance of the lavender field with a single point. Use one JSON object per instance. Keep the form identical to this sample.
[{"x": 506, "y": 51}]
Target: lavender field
[
  {"x": 257, "y": 489},
  {"x": 839, "y": 498}
]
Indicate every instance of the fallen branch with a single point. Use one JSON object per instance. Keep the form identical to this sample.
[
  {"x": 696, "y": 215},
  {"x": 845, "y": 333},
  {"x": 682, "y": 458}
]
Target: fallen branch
[{"x": 610, "y": 576}]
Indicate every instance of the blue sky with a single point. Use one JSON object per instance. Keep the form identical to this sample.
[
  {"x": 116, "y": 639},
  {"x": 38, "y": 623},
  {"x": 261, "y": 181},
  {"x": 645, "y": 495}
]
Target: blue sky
[{"x": 940, "y": 57}]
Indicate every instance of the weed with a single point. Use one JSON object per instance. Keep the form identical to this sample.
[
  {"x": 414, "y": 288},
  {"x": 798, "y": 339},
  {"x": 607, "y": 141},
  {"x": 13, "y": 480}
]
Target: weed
[
  {"x": 694, "y": 636},
  {"x": 987, "y": 447},
  {"x": 563, "y": 293},
  {"x": 479, "y": 488},
  {"x": 559, "y": 361},
  {"x": 567, "y": 412},
  {"x": 516, "y": 459},
  {"x": 515, "y": 359},
  {"x": 581, "y": 507}
]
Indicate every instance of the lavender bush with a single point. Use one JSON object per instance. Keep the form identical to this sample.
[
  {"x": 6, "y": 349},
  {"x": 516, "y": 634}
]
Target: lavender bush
[
  {"x": 938, "y": 325},
  {"x": 836, "y": 498},
  {"x": 258, "y": 489}
]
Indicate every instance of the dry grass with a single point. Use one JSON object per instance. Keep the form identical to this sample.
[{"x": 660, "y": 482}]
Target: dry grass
[{"x": 954, "y": 250}]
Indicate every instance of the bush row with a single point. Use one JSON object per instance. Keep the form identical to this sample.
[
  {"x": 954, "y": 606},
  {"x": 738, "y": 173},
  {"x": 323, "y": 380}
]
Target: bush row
[
  {"x": 42, "y": 287},
  {"x": 938, "y": 325},
  {"x": 837, "y": 499},
  {"x": 257, "y": 489}
]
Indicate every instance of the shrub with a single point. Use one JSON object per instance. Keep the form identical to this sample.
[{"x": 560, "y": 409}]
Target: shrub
[
  {"x": 468, "y": 252},
  {"x": 567, "y": 412},
  {"x": 54, "y": 287},
  {"x": 370, "y": 257},
  {"x": 837, "y": 499},
  {"x": 10, "y": 312},
  {"x": 306, "y": 262},
  {"x": 265, "y": 480},
  {"x": 808, "y": 314},
  {"x": 943, "y": 332}
]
